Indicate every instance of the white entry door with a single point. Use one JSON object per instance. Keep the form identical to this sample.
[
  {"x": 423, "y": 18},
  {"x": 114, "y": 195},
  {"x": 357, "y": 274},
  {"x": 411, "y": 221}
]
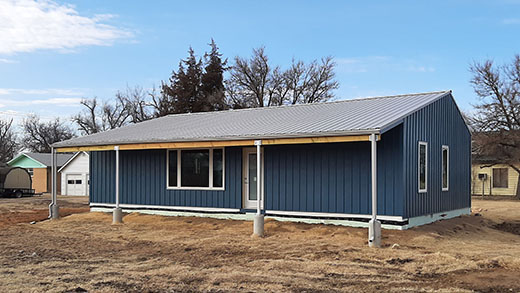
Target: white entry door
[
  {"x": 75, "y": 185},
  {"x": 250, "y": 195}
]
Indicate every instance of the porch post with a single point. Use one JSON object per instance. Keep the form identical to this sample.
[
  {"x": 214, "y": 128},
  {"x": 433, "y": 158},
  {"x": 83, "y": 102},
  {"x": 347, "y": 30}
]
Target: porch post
[
  {"x": 118, "y": 213},
  {"x": 258, "y": 224},
  {"x": 374, "y": 226},
  {"x": 53, "y": 208}
]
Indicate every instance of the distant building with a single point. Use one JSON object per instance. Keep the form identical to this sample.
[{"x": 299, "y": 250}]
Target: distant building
[
  {"x": 494, "y": 179},
  {"x": 75, "y": 174},
  {"x": 39, "y": 166}
]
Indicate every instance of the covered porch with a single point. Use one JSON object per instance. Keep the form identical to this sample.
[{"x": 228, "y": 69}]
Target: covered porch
[{"x": 139, "y": 177}]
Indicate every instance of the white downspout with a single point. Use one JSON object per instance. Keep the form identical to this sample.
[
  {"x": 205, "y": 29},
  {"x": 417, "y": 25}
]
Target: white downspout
[
  {"x": 374, "y": 226},
  {"x": 118, "y": 213},
  {"x": 258, "y": 224},
  {"x": 116, "y": 148},
  {"x": 258, "y": 143},
  {"x": 53, "y": 207}
]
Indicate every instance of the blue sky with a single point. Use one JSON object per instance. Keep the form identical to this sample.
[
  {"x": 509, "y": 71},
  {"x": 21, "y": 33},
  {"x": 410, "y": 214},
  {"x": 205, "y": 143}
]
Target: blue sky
[{"x": 53, "y": 53}]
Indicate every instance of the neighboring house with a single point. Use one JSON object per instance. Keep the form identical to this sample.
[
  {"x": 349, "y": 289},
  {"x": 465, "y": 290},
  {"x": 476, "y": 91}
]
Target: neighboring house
[
  {"x": 75, "y": 175},
  {"x": 39, "y": 166},
  {"x": 315, "y": 162},
  {"x": 494, "y": 179}
]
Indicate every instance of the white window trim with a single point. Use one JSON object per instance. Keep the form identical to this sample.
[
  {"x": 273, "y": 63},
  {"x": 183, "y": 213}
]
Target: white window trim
[
  {"x": 447, "y": 148},
  {"x": 179, "y": 187},
  {"x": 425, "y": 168}
]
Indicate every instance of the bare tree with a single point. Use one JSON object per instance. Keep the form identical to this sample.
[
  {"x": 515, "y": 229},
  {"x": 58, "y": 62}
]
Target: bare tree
[
  {"x": 137, "y": 104},
  {"x": 39, "y": 136},
  {"x": 255, "y": 83},
  {"x": 8, "y": 144},
  {"x": 96, "y": 118},
  {"x": 497, "y": 119},
  {"x": 88, "y": 120}
]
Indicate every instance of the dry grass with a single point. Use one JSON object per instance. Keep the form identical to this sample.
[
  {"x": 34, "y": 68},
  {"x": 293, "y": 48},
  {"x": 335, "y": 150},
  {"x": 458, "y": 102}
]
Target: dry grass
[{"x": 156, "y": 254}]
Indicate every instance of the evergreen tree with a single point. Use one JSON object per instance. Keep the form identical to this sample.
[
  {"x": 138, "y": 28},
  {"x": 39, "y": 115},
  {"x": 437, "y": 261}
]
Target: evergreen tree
[
  {"x": 195, "y": 87},
  {"x": 212, "y": 83},
  {"x": 182, "y": 94}
]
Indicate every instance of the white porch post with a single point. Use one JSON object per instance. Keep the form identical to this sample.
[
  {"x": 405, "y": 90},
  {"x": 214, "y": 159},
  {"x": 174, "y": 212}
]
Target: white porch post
[
  {"x": 374, "y": 226},
  {"x": 118, "y": 213},
  {"x": 258, "y": 224},
  {"x": 54, "y": 209}
]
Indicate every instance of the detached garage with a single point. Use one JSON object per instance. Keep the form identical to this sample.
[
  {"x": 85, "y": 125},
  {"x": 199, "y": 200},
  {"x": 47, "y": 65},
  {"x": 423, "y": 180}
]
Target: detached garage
[{"x": 75, "y": 175}]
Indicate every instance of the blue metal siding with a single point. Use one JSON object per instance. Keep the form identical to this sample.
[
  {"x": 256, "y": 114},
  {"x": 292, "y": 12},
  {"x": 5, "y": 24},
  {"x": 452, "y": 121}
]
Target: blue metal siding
[
  {"x": 329, "y": 178},
  {"x": 439, "y": 123},
  {"x": 143, "y": 181},
  {"x": 334, "y": 178}
]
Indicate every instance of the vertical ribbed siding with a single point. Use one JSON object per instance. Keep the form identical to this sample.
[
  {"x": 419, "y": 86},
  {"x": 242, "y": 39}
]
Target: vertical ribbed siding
[
  {"x": 143, "y": 181},
  {"x": 440, "y": 123},
  {"x": 334, "y": 178}
]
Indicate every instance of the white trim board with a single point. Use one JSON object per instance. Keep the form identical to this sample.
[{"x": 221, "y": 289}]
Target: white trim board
[
  {"x": 166, "y": 208},
  {"x": 333, "y": 215}
]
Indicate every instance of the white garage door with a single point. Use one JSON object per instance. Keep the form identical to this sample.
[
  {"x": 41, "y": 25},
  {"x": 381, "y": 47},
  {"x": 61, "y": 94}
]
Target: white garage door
[{"x": 75, "y": 185}]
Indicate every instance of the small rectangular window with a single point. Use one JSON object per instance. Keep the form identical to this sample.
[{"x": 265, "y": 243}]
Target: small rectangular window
[
  {"x": 195, "y": 168},
  {"x": 423, "y": 166},
  {"x": 78, "y": 181},
  {"x": 70, "y": 181},
  {"x": 500, "y": 177},
  {"x": 218, "y": 168},
  {"x": 172, "y": 168},
  {"x": 445, "y": 167}
]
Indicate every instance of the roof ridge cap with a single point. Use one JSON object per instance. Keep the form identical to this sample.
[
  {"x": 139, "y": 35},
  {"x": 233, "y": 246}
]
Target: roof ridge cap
[{"x": 307, "y": 104}]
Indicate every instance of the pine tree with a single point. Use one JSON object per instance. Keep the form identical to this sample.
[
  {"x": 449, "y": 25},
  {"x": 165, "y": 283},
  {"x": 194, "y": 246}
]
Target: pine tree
[
  {"x": 182, "y": 94},
  {"x": 212, "y": 83}
]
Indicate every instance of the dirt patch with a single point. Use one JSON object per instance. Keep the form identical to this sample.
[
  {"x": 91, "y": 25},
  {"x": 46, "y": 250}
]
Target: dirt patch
[
  {"x": 85, "y": 252},
  {"x": 513, "y": 228},
  {"x": 489, "y": 280}
]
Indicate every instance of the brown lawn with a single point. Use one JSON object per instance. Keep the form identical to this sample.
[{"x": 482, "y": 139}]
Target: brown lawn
[{"x": 83, "y": 251}]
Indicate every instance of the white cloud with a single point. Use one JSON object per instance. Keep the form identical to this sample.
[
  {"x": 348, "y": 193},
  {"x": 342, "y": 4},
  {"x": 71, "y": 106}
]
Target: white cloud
[
  {"x": 511, "y": 21},
  {"x": 60, "y": 92},
  {"x": 9, "y": 61},
  {"x": 65, "y": 102},
  {"x": 414, "y": 68},
  {"x": 29, "y": 25}
]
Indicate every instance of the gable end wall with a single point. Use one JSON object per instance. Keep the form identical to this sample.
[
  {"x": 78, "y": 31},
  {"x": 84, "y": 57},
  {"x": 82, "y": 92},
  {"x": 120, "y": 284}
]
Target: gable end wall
[{"x": 438, "y": 124}]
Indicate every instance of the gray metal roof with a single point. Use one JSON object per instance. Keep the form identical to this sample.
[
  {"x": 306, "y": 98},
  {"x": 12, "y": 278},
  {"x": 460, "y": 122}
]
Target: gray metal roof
[
  {"x": 348, "y": 117},
  {"x": 45, "y": 158}
]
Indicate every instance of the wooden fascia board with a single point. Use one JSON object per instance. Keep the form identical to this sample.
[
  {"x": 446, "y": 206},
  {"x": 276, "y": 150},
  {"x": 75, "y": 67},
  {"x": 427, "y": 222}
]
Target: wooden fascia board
[{"x": 227, "y": 143}]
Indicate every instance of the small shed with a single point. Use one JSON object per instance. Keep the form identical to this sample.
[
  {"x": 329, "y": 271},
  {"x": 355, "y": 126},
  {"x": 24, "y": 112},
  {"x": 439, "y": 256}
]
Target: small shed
[
  {"x": 14, "y": 178},
  {"x": 75, "y": 174},
  {"x": 39, "y": 166},
  {"x": 404, "y": 158}
]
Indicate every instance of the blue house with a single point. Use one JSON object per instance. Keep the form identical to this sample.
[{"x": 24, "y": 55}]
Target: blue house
[{"x": 409, "y": 155}]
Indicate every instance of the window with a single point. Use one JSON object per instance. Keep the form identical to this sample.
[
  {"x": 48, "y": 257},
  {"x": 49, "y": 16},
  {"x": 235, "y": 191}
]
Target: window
[
  {"x": 172, "y": 168},
  {"x": 70, "y": 181},
  {"x": 195, "y": 169},
  {"x": 423, "y": 166},
  {"x": 445, "y": 167},
  {"x": 78, "y": 181},
  {"x": 218, "y": 167},
  {"x": 500, "y": 176}
]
